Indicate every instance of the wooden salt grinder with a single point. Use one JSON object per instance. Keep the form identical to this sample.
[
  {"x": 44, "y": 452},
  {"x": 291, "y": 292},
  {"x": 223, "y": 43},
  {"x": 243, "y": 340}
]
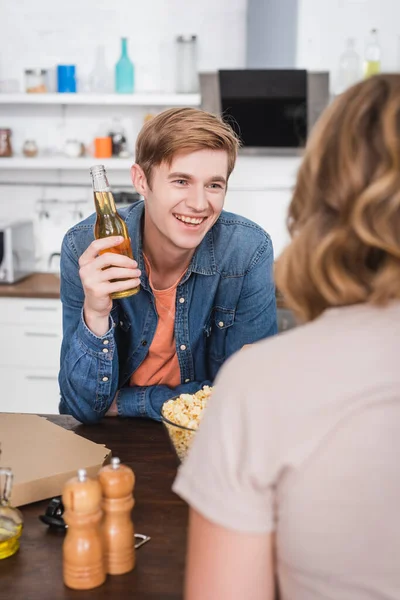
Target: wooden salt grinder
[
  {"x": 83, "y": 559},
  {"x": 117, "y": 482}
]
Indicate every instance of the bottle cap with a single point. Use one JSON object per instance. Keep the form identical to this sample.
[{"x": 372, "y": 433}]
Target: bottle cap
[
  {"x": 82, "y": 475},
  {"x": 115, "y": 462},
  {"x": 96, "y": 169}
]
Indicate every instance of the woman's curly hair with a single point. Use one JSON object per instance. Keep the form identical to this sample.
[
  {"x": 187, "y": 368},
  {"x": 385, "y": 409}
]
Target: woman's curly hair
[{"x": 344, "y": 217}]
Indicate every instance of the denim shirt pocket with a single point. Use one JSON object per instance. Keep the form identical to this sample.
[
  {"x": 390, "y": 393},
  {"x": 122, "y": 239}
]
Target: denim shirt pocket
[{"x": 216, "y": 329}]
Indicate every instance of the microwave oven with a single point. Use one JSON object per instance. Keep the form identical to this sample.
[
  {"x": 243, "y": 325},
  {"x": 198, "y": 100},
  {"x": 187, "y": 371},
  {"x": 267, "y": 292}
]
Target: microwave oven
[
  {"x": 17, "y": 250},
  {"x": 272, "y": 110}
]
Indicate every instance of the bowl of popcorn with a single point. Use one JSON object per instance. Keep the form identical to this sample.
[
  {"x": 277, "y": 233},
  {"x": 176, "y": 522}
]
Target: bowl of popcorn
[{"x": 181, "y": 417}]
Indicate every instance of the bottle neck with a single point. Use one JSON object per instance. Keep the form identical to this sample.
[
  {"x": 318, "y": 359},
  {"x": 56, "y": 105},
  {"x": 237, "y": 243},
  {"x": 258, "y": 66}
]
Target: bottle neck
[
  {"x": 124, "y": 47},
  {"x": 103, "y": 198}
]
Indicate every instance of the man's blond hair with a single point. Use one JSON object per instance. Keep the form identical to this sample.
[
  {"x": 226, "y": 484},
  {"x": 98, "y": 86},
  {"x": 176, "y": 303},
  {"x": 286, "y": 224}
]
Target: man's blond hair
[{"x": 183, "y": 130}]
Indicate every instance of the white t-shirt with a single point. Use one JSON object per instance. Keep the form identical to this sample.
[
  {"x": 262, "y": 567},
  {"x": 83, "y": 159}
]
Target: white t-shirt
[{"x": 302, "y": 437}]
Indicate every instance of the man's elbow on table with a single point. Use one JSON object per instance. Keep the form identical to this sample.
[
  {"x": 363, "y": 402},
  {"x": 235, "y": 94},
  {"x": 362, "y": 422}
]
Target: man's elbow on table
[{"x": 86, "y": 416}]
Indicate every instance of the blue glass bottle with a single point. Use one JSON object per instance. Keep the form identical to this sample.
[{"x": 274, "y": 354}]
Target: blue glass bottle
[{"x": 124, "y": 71}]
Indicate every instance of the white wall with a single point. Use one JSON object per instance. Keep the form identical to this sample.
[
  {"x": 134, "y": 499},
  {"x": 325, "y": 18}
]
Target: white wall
[
  {"x": 43, "y": 33},
  {"x": 324, "y": 25}
]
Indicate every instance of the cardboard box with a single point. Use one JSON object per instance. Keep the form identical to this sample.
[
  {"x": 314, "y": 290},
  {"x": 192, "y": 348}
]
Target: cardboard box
[{"x": 43, "y": 456}]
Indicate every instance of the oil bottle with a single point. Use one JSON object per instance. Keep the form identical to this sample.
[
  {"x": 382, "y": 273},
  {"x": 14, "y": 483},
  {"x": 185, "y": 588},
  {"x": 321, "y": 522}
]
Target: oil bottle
[
  {"x": 109, "y": 222},
  {"x": 372, "y": 62},
  {"x": 11, "y": 521}
]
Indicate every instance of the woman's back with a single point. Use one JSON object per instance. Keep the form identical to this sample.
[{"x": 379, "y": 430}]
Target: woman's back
[
  {"x": 314, "y": 451},
  {"x": 338, "y": 531}
]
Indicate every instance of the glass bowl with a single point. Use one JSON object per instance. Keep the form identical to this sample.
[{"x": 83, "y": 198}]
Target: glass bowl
[{"x": 181, "y": 437}]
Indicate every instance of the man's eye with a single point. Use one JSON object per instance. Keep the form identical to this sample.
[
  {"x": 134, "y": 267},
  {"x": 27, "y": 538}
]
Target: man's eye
[
  {"x": 215, "y": 186},
  {"x": 180, "y": 181}
]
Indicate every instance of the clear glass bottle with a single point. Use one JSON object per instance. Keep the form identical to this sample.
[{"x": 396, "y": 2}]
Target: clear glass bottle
[
  {"x": 108, "y": 221},
  {"x": 187, "y": 78},
  {"x": 372, "y": 62},
  {"x": 100, "y": 79},
  {"x": 350, "y": 70},
  {"x": 11, "y": 521},
  {"x": 124, "y": 71}
]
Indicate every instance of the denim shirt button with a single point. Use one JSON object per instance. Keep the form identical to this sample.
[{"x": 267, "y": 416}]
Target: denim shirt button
[
  {"x": 187, "y": 380},
  {"x": 105, "y": 379},
  {"x": 105, "y": 350},
  {"x": 183, "y": 347},
  {"x": 105, "y": 342},
  {"x": 181, "y": 300},
  {"x": 221, "y": 324}
]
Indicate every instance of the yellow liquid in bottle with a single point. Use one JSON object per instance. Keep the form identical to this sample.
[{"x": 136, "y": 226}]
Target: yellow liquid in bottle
[
  {"x": 109, "y": 223},
  {"x": 10, "y": 533},
  {"x": 371, "y": 67}
]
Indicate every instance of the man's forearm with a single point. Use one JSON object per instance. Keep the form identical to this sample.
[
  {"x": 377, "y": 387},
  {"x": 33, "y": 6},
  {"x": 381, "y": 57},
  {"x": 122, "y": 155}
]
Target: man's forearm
[
  {"x": 147, "y": 401},
  {"x": 89, "y": 374}
]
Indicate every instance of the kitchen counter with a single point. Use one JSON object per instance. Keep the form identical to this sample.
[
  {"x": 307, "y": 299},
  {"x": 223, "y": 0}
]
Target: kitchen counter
[{"x": 37, "y": 285}]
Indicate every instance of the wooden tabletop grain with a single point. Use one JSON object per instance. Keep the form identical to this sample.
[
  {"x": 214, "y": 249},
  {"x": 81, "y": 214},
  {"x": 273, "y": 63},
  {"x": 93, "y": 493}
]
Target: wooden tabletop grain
[{"x": 35, "y": 572}]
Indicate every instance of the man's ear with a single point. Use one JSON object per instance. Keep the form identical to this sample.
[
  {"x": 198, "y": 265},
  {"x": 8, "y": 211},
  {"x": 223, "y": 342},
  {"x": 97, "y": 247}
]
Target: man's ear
[{"x": 139, "y": 180}]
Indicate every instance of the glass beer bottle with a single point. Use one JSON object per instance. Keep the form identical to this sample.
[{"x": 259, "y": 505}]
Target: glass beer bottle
[{"x": 109, "y": 222}]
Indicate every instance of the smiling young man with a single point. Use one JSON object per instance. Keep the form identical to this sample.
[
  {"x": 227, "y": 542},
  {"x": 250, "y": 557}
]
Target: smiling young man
[{"x": 206, "y": 279}]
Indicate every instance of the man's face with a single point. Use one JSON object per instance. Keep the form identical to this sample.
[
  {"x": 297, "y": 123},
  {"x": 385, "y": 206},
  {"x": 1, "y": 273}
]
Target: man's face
[{"x": 186, "y": 197}]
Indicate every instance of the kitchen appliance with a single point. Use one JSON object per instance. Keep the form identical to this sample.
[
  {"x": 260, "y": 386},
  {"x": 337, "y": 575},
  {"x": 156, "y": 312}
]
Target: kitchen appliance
[
  {"x": 17, "y": 250},
  {"x": 272, "y": 110}
]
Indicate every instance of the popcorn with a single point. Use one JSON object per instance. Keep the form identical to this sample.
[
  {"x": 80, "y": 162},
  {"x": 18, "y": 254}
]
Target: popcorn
[{"x": 185, "y": 411}]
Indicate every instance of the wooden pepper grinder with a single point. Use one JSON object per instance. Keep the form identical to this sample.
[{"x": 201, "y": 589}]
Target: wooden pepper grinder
[
  {"x": 83, "y": 559},
  {"x": 117, "y": 483}
]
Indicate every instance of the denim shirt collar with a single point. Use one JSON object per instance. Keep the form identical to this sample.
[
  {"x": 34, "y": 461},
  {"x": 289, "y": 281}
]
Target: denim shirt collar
[{"x": 203, "y": 260}]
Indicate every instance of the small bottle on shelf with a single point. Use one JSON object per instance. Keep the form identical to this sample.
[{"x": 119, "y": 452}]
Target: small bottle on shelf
[
  {"x": 372, "y": 62},
  {"x": 124, "y": 71},
  {"x": 349, "y": 68}
]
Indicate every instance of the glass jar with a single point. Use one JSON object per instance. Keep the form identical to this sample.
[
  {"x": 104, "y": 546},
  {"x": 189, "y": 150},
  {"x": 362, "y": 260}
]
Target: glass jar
[
  {"x": 11, "y": 520},
  {"x": 36, "y": 81},
  {"x": 30, "y": 149},
  {"x": 187, "y": 80},
  {"x": 5, "y": 143}
]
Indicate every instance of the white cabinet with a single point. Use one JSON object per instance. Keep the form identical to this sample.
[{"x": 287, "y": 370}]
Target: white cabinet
[{"x": 31, "y": 332}]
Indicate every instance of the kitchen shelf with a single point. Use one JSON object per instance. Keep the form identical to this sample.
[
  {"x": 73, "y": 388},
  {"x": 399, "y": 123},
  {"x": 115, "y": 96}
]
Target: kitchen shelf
[
  {"x": 104, "y": 99},
  {"x": 61, "y": 162}
]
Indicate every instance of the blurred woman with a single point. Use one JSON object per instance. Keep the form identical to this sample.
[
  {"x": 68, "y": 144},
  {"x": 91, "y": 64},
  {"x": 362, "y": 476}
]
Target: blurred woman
[{"x": 293, "y": 480}]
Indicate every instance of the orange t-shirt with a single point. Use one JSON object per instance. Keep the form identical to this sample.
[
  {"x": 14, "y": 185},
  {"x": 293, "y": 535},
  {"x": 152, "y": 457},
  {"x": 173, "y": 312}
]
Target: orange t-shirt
[{"x": 161, "y": 365}]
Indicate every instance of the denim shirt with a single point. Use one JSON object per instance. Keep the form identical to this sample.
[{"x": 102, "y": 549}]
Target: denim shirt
[{"x": 226, "y": 299}]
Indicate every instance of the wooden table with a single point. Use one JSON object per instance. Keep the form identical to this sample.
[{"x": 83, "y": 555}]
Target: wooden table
[{"x": 35, "y": 572}]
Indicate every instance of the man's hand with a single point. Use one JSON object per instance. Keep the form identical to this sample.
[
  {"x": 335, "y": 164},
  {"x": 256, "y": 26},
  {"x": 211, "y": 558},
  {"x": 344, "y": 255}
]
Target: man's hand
[{"x": 96, "y": 272}]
